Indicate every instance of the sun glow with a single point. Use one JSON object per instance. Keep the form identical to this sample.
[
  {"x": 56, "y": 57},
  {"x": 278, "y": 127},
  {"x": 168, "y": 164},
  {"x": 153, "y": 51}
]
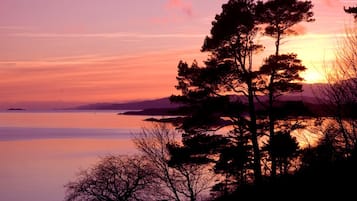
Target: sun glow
[
  {"x": 317, "y": 53},
  {"x": 313, "y": 76}
]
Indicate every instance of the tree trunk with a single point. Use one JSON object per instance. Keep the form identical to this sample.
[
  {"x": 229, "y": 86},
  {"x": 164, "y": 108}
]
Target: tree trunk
[
  {"x": 253, "y": 130},
  {"x": 271, "y": 125},
  {"x": 271, "y": 109}
]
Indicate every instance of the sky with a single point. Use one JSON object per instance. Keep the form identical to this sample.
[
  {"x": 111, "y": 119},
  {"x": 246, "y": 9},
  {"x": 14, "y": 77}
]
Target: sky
[{"x": 58, "y": 52}]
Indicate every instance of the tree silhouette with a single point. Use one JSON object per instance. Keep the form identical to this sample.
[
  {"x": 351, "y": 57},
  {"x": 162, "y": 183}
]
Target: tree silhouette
[
  {"x": 281, "y": 72},
  {"x": 114, "y": 179},
  {"x": 234, "y": 160},
  {"x": 279, "y": 17},
  {"x": 284, "y": 147},
  {"x": 228, "y": 71},
  {"x": 212, "y": 90},
  {"x": 279, "y": 75},
  {"x": 351, "y": 10},
  {"x": 287, "y": 68},
  {"x": 177, "y": 181}
]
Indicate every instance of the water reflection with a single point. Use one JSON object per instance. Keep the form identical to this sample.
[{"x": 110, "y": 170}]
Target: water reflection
[
  {"x": 70, "y": 119},
  {"x": 42, "y": 151},
  {"x": 38, "y": 169}
]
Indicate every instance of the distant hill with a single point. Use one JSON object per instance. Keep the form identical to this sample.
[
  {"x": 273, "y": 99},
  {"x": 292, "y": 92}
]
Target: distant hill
[
  {"x": 161, "y": 105},
  {"x": 135, "y": 105}
]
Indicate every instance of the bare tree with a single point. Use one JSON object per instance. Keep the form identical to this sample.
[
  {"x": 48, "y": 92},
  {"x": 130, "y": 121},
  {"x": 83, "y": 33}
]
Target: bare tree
[
  {"x": 340, "y": 95},
  {"x": 181, "y": 181},
  {"x": 114, "y": 178}
]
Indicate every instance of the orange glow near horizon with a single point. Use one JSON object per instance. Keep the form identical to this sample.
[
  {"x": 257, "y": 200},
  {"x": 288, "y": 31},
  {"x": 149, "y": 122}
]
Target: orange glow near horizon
[
  {"x": 102, "y": 79},
  {"x": 118, "y": 51},
  {"x": 317, "y": 52},
  {"x": 313, "y": 77}
]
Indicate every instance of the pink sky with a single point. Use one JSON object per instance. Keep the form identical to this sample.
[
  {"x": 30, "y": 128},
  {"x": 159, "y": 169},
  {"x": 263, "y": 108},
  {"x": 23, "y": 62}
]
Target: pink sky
[{"x": 114, "y": 50}]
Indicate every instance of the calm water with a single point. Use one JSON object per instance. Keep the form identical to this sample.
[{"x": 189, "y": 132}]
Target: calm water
[{"x": 42, "y": 151}]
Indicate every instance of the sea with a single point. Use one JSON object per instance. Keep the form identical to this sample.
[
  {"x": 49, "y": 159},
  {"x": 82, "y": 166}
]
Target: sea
[{"x": 41, "y": 151}]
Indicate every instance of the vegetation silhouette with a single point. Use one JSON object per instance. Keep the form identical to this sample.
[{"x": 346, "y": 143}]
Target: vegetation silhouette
[
  {"x": 178, "y": 181},
  {"x": 242, "y": 148},
  {"x": 114, "y": 178},
  {"x": 340, "y": 95},
  {"x": 351, "y": 10},
  {"x": 149, "y": 175},
  {"x": 229, "y": 72}
]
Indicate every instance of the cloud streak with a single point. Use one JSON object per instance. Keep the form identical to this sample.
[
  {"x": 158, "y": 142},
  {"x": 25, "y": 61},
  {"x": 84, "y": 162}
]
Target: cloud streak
[
  {"x": 12, "y": 27},
  {"x": 107, "y": 35},
  {"x": 93, "y": 77}
]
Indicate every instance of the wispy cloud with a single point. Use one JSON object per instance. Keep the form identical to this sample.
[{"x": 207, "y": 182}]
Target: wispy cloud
[
  {"x": 316, "y": 36},
  {"x": 93, "y": 77},
  {"x": 175, "y": 11},
  {"x": 12, "y": 27},
  {"x": 93, "y": 61},
  {"x": 107, "y": 35},
  {"x": 185, "y": 7}
]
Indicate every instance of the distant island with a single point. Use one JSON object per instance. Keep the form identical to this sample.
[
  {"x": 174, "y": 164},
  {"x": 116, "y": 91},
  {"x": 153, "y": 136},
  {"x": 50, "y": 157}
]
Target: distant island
[
  {"x": 16, "y": 109},
  {"x": 154, "y": 112}
]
